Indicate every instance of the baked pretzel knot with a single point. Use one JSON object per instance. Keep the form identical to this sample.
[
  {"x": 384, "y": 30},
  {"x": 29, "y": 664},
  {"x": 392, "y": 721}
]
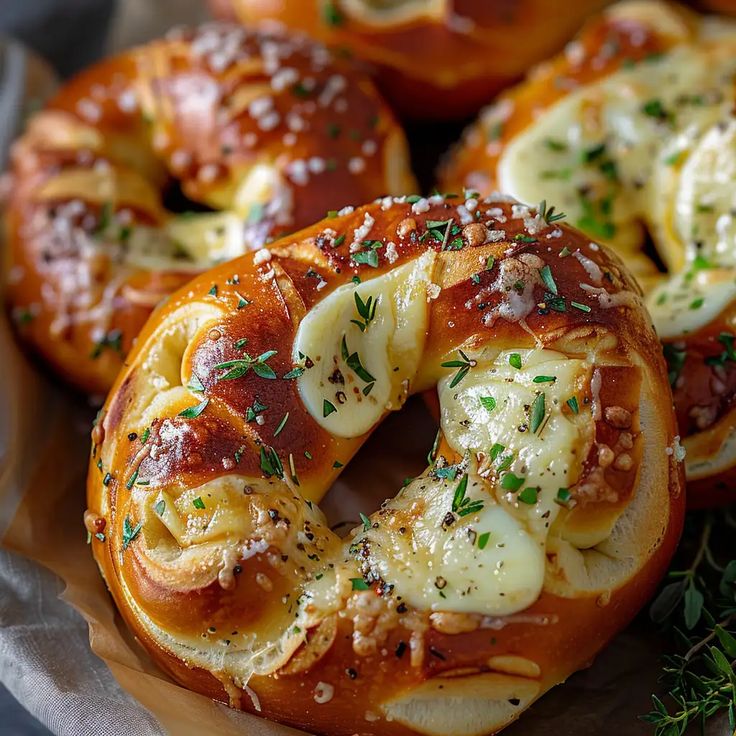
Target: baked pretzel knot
[
  {"x": 266, "y": 130},
  {"x": 548, "y": 513},
  {"x": 632, "y": 133},
  {"x": 435, "y": 58}
]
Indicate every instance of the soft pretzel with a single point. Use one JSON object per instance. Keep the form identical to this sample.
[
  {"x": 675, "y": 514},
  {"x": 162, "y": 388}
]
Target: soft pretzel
[
  {"x": 632, "y": 133},
  {"x": 550, "y": 508},
  {"x": 436, "y": 58},
  {"x": 267, "y": 130}
]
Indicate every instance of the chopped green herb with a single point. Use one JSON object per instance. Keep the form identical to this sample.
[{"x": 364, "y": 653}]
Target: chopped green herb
[
  {"x": 512, "y": 482},
  {"x": 537, "y": 412},
  {"x": 368, "y": 257},
  {"x": 581, "y": 307},
  {"x": 328, "y": 408},
  {"x": 130, "y": 532},
  {"x": 449, "y": 472},
  {"x": 488, "y": 402},
  {"x": 496, "y": 450},
  {"x": 271, "y": 462},
  {"x": 556, "y": 303},
  {"x": 472, "y": 507},
  {"x": 198, "y": 503},
  {"x": 295, "y": 372},
  {"x": 254, "y": 410},
  {"x": 483, "y": 540},
  {"x": 555, "y": 145},
  {"x": 589, "y": 155},
  {"x": 515, "y": 361},
  {"x": 544, "y": 379},
  {"x": 366, "y": 522},
  {"x": 563, "y": 496},
  {"x": 596, "y": 217},
  {"x": 359, "y": 584},
  {"x": 192, "y": 412},
  {"x": 159, "y": 507},
  {"x": 727, "y": 340},
  {"x": 529, "y": 495},
  {"x": 572, "y": 402},
  {"x": 655, "y": 109},
  {"x": 132, "y": 479},
  {"x": 546, "y": 275},
  {"x": 353, "y": 362}
]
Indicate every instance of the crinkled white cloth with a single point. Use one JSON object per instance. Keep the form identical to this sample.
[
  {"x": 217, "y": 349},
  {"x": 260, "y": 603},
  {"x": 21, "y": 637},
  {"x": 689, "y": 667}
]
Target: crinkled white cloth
[{"x": 47, "y": 664}]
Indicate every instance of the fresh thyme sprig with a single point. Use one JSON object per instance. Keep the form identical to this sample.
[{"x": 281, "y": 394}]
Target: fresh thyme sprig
[
  {"x": 699, "y": 606},
  {"x": 464, "y": 364},
  {"x": 239, "y": 367},
  {"x": 548, "y": 214}
]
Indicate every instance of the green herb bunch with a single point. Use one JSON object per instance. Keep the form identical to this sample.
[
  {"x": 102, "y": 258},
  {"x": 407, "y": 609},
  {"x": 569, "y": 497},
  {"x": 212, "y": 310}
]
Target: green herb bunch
[{"x": 698, "y": 606}]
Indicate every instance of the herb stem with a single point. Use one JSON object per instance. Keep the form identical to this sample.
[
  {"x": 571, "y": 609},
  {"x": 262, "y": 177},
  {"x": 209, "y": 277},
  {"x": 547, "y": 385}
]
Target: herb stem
[{"x": 699, "y": 645}]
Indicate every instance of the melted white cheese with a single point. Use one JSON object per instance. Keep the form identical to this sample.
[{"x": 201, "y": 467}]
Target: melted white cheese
[
  {"x": 654, "y": 142},
  {"x": 345, "y": 401},
  {"x": 185, "y": 243},
  {"x": 686, "y": 302},
  {"x": 441, "y": 568},
  {"x": 437, "y": 565}
]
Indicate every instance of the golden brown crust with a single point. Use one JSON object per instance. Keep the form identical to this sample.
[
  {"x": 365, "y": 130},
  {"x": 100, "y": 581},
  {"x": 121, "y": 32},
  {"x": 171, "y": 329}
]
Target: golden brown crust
[
  {"x": 436, "y": 59},
  {"x": 267, "y": 126},
  {"x": 355, "y": 666}
]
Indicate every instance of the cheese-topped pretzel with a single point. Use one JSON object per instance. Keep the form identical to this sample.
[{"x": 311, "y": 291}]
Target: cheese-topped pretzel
[
  {"x": 267, "y": 130},
  {"x": 549, "y": 510},
  {"x": 632, "y": 133},
  {"x": 436, "y": 58}
]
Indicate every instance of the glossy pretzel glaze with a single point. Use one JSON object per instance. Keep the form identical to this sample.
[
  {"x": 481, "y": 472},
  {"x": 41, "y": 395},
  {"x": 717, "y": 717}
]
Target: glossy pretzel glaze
[
  {"x": 437, "y": 58},
  {"x": 267, "y": 130},
  {"x": 632, "y": 133},
  {"x": 547, "y": 515}
]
